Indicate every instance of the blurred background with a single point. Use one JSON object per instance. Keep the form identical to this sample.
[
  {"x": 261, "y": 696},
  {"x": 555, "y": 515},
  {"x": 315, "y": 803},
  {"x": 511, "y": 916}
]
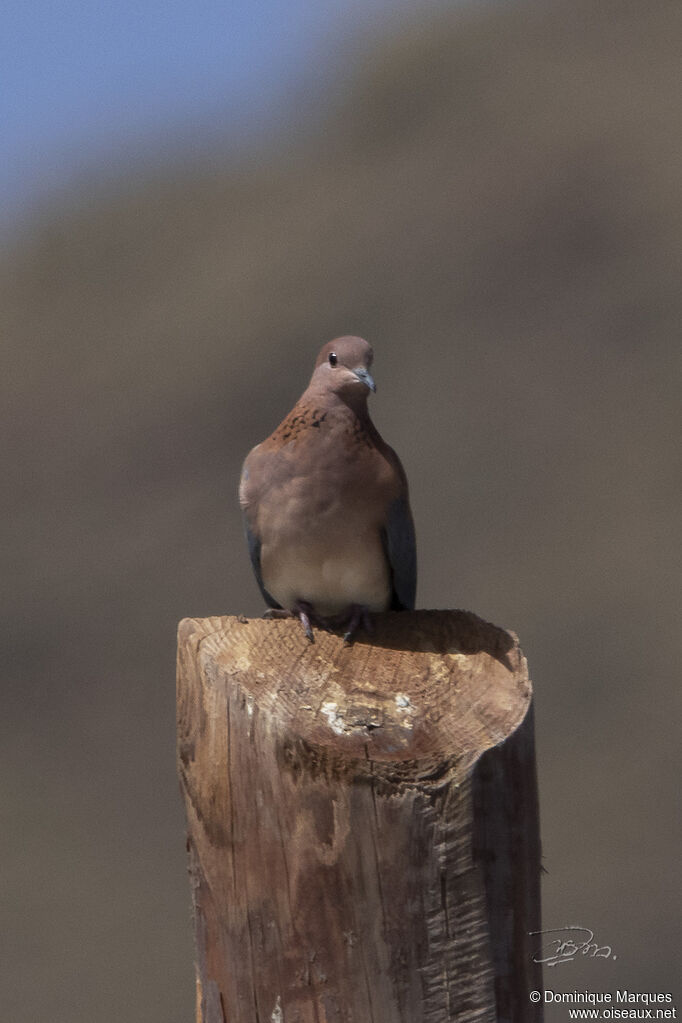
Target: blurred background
[{"x": 195, "y": 198}]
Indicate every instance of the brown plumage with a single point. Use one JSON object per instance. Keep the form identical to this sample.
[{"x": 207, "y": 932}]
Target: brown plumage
[{"x": 325, "y": 502}]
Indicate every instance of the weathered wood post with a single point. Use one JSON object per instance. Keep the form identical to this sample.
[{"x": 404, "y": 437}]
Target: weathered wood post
[{"x": 362, "y": 821}]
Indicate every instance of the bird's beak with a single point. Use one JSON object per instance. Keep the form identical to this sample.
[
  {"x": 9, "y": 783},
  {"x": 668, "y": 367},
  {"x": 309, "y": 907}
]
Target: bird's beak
[{"x": 365, "y": 377}]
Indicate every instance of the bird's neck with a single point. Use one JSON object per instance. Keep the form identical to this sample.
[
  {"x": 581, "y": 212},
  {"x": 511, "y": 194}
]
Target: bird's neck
[
  {"x": 352, "y": 404},
  {"x": 357, "y": 406}
]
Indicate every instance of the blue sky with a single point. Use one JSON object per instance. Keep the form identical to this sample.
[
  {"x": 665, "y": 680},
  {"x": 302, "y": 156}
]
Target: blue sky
[{"x": 81, "y": 82}]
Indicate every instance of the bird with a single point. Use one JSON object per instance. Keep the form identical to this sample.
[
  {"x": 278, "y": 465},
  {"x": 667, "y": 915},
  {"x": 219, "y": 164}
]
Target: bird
[{"x": 325, "y": 504}]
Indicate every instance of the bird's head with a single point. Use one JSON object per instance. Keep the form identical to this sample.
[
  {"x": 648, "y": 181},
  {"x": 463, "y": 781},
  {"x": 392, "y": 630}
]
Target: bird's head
[{"x": 343, "y": 368}]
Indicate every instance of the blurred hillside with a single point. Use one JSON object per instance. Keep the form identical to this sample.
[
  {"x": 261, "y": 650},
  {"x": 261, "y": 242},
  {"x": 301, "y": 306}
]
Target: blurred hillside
[{"x": 495, "y": 202}]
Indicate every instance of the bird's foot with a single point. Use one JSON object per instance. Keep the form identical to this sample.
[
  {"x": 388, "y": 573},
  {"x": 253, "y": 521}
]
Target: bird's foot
[
  {"x": 306, "y": 614},
  {"x": 352, "y": 618},
  {"x": 355, "y": 616},
  {"x": 301, "y": 610},
  {"x": 359, "y": 618}
]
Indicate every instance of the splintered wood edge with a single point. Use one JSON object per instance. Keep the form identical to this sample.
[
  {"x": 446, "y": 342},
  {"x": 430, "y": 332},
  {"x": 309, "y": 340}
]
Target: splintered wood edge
[{"x": 425, "y": 686}]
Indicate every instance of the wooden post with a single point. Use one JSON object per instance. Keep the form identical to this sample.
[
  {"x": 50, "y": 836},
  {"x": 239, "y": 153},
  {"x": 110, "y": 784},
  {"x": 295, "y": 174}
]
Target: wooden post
[{"x": 362, "y": 821}]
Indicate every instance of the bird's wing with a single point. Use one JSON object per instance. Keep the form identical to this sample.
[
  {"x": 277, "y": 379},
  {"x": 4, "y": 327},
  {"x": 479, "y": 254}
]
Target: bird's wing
[
  {"x": 254, "y": 553},
  {"x": 401, "y": 551},
  {"x": 248, "y": 498}
]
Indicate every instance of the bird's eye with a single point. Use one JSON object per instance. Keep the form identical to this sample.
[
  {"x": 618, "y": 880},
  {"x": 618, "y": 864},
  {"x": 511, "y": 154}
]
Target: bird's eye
[{"x": 332, "y": 359}]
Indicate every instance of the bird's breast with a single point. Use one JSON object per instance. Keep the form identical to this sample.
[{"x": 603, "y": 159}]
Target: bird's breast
[
  {"x": 329, "y": 575},
  {"x": 321, "y": 542},
  {"x": 318, "y": 504}
]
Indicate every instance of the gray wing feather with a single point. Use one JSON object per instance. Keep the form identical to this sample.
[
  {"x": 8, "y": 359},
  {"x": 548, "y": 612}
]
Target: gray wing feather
[
  {"x": 401, "y": 550},
  {"x": 254, "y": 553}
]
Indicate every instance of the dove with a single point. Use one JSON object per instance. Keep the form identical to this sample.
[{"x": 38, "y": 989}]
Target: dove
[{"x": 325, "y": 504}]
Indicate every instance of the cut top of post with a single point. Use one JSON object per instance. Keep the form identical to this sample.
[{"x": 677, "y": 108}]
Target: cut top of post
[{"x": 425, "y": 685}]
